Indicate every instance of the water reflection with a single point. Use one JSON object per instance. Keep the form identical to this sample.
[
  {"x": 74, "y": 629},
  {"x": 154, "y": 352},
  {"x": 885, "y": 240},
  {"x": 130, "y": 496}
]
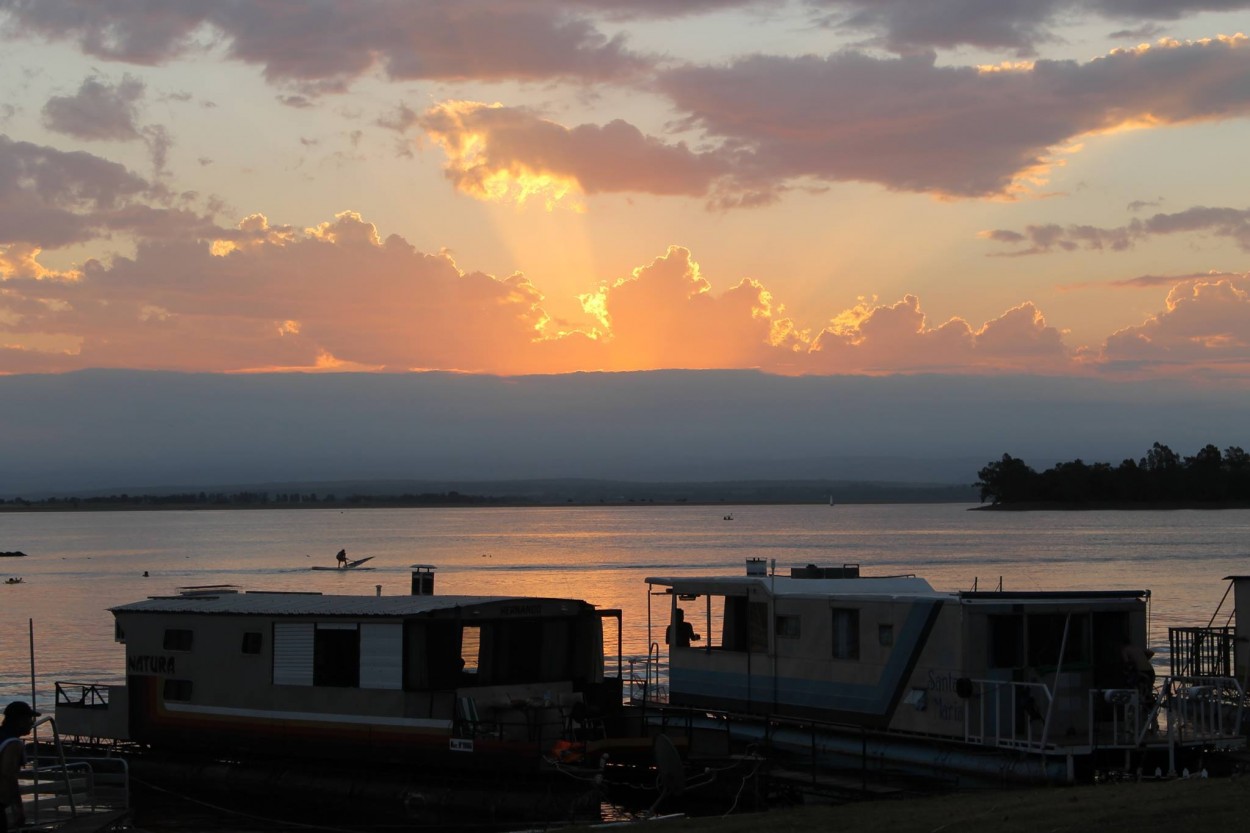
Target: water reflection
[{"x": 82, "y": 563}]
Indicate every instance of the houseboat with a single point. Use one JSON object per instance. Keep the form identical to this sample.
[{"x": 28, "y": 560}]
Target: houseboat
[
  {"x": 886, "y": 673},
  {"x": 423, "y": 680}
]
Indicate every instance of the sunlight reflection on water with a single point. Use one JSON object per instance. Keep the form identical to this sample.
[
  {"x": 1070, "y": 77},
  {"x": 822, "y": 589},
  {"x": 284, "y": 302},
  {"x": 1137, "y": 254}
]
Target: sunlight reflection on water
[{"x": 82, "y": 563}]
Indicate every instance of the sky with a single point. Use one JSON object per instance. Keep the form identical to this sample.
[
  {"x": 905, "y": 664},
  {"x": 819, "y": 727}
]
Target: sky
[{"x": 822, "y": 187}]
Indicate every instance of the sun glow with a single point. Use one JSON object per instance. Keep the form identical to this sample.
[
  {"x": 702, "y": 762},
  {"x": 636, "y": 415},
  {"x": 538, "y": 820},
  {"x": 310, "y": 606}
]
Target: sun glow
[
  {"x": 520, "y": 186},
  {"x": 477, "y": 141}
]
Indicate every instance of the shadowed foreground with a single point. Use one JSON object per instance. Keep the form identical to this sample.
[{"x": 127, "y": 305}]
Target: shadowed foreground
[{"x": 1194, "y": 804}]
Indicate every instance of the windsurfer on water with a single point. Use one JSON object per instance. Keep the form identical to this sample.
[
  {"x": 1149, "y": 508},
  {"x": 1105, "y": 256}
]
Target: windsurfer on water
[{"x": 342, "y": 558}]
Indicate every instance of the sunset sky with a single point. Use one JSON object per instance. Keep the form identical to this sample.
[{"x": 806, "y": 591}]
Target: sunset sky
[{"x": 1056, "y": 187}]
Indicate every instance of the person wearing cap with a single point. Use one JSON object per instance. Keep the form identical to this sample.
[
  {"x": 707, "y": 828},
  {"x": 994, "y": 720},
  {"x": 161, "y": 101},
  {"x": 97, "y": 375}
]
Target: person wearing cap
[{"x": 19, "y": 719}]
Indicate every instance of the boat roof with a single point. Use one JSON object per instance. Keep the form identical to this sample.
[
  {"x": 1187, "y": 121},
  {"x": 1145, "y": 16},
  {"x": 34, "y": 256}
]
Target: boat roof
[
  {"x": 315, "y": 604},
  {"x": 787, "y": 586},
  {"x": 863, "y": 587}
]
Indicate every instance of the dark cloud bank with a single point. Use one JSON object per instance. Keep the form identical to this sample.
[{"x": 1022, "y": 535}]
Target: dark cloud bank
[{"x": 94, "y": 430}]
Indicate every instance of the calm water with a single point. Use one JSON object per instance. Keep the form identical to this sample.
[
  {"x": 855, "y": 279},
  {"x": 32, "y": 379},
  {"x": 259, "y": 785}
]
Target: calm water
[{"x": 80, "y": 564}]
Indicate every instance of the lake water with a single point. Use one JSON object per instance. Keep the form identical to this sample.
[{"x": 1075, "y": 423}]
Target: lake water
[{"x": 80, "y": 564}]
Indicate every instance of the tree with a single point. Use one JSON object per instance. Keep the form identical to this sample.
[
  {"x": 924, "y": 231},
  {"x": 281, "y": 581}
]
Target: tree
[{"x": 1007, "y": 481}]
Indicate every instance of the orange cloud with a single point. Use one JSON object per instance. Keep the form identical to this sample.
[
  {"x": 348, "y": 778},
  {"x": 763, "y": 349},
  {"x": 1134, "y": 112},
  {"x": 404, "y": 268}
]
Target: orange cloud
[
  {"x": 510, "y": 154},
  {"x": 665, "y": 315},
  {"x": 341, "y": 296},
  {"x": 898, "y": 338},
  {"x": 1205, "y": 324}
]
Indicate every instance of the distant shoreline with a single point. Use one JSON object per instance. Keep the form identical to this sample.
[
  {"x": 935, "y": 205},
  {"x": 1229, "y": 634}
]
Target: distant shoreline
[
  {"x": 503, "y": 493},
  {"x": 484, "y": 504}
]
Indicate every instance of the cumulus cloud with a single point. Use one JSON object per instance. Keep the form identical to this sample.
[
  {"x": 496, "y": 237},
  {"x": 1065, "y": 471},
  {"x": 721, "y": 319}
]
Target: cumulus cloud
[
  {"x": 340, "y": 296},
  {"x": 1204, "y": 324},
  {"x": 98, "y": 110},
  {"x": 324, "y": 46},
  {"x": 50, "y": 198},
  {"x": 665, "y": 314},
  {"x": 898, "y": 337},
  {"x": 1231, "y": 223},
  {"x": 1017, "y": 25},
  {"x": 912, "y": 124},
  {"x": 906, "y": 123},
  {"x": 496, "y": 152},
  {"x": 276, "y": 298}
]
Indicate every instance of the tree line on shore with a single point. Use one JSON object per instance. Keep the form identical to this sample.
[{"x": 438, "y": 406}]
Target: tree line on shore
[
  {"x": 245, "y": 499},
  {"x": 1161, "y": 476}
]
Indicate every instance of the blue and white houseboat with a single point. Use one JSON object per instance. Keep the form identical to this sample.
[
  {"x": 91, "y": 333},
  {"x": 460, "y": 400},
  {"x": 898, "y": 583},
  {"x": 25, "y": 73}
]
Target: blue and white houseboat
[{"x": 886, "y": 673}]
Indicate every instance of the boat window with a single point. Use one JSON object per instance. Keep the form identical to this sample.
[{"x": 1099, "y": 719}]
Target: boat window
[
  {"x": 734, "y": 630},
  {"x": 336, "y": 656},
  {"x": 1046, "y": 639},
  {"x": 885, "y": 635},
  {"x": 788, "y": 626},
  {"x": 470, "y": 649},
  {"x": 432, "y": 655},
  {"x": 177, "y": 690},
  {"x": 523, "y": 651},
  {"x": 745, "y": 625},
  {"x": 845, "y": 633},
  {"x": 178, "y": 639},
  {"x": 1006, "y": 640},
  {"x": 251, "y": 643},
  {"x": 758, "y": 615}
]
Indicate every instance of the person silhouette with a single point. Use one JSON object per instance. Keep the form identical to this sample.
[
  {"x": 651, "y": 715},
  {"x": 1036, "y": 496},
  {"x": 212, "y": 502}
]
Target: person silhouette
[
  {"x": 681, "y": 633},
  {"x": 342, "y": 558},
  {"x": 19, "y": 719}
]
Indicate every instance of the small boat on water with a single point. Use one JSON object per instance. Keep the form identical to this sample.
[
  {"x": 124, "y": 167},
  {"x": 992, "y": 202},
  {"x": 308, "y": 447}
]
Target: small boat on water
[
  {"x": 13, "y": 554},
  {"x": 346, "y": 565},
  {"x": 839, "y": 669},
  {"x": 13, "y": 580}
]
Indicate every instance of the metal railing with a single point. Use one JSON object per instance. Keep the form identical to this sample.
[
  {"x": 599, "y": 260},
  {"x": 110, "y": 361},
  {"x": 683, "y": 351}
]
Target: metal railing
[
  {"x": 1008, "y": 714},
  {"x": 1203, "y": 708},
  {"x": 648, "y": 685},
  {"x": 83, "y": 695},
  {"x": 1205, "y": 652},
  {"x": 70, "y": 786}
]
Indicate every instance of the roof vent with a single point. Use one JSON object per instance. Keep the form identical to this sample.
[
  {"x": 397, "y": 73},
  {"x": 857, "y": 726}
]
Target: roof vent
[{"x": 422, "y": 579}]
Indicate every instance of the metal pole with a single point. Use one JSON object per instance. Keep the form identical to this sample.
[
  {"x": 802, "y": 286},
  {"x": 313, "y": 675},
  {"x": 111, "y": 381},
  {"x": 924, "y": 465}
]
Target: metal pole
[
  {"x": 34, "y": 736},
  {"x": 1063, "y": 647}
]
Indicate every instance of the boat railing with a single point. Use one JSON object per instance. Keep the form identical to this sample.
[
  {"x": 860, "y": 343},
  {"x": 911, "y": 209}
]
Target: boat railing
[
  {"x": 82, "y": 695},
  {"x": 56, "y": 787},
  {"x": 1007, "y": 713},
  {"x": 1203, "y": 708},
  {"x": 1203, "y": 651},
  {"x": 1121, "y": 717},
  {"x": 92, "y": 712},
  {"x": 647, "y": 677}
]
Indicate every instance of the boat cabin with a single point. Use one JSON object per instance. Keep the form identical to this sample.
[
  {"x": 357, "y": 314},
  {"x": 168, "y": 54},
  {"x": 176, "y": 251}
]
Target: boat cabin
[{"x": 403, "y": 677}]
